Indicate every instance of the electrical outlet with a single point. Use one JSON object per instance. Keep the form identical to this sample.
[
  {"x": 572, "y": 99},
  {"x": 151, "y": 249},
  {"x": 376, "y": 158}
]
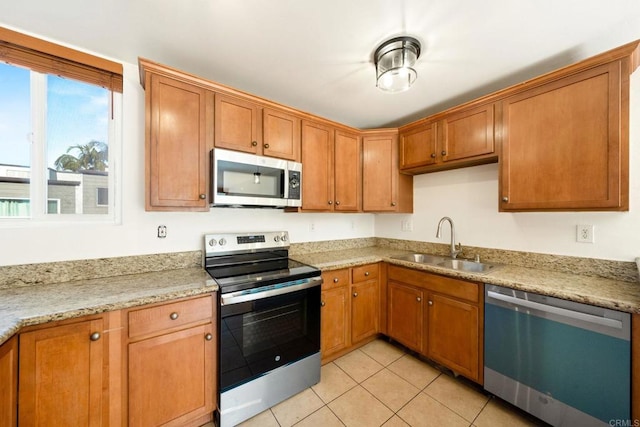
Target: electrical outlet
[
  {"x": 584, "y": 233},
  {"x": 162, "y": 231},
  {"x": 406, "y": 225},
  {"x": 312, "y": 226}
]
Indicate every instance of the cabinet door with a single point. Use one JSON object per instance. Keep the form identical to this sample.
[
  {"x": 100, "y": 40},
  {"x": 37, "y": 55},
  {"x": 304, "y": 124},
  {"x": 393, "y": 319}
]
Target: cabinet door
[
  {"x": 61, "y": 376},
  {"x": 236, "y": 124},
  {"x": 347, "y": 172},
  {"x": 418, "y": 146},
  {"x": 9, "y": 383},
  {"x": 467, "y": 134},
  {"x": 453, "y": 335},
  {"x": 364, "y": 310},
  {"x": 379, "y": 170},
  {"x": 335, "y": 320},
  {"x": 179, "y": 137},
  {"x": 281, "y": 135},
  {"x": 562, "y": 147},
  {"x": 317, "y": 166},
  {"x": 405, "y": 315},
  {"x": 171, "y": 377}
]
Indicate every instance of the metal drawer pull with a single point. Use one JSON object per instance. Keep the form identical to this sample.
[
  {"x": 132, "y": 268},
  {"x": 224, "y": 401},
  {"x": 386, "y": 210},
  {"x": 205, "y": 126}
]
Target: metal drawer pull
[
  {"x": 208, "y": 337},
  {"x": 355, "y": 294},
  {"x": 203, "y": 196},
  {"x": 94, "y": 336},
  {"x": 322, "y": 303},
  {"x": 430, "y": 302},
  {"x": 418, "y": 299},
  {"x": 366, "y": 273},
  {"x": 173, "y": 315},
  {"x": 254, "y": 143},
  {"x": 335, "y": 280},
  {"x": 266, "y": 146}
]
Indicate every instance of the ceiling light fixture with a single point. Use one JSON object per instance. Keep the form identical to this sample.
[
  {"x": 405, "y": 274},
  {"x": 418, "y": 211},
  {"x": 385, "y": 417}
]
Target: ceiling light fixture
[{"x": 394, "y": 61}]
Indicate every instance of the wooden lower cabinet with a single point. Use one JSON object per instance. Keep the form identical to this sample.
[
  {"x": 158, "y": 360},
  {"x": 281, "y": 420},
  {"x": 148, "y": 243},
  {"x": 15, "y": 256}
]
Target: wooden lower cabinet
[
  {"x": 448, "y": 328},
  {"x": 9, "y": 383},
  {"x": 335, "y": 320},
  {"x": 350, "y": 308},
  {"x": 171, "y": 363},
  {"x": 62, "y": 378},
  {"x": 452, "y": 334},
  {"x": 405, "y": 316}
]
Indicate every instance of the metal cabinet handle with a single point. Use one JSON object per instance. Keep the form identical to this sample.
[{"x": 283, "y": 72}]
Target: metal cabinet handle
[
  {"x": 208, "y": 337},
  {"x": 330, "y": 202},
  {"x": 444, "y": 153},
  {"x": 366, "y": 273},
  {"x": 355, "y": 294},
  {"x": 173, "y": 316},
  {"x": 322, "y": 303},
  {"x": 337, "y": 202},
  {"x": 254, "y": 143},
  {"x": 505, "y": 199},
  {"x": 393, "y": 203},
  {"x": 94, "y": 336},
  {"x": 203, "y": 196},
  {"x": 433, "y": 155},
  {"x": 418, "y": 299},
  {"x": 430, "y": 302},
  {"x": 266, "y": 146},
  {"x": 335, "y": 280}
]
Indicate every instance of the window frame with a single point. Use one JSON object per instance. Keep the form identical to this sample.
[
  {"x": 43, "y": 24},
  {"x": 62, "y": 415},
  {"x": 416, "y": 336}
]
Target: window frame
[{"x": 42, "y": 57}]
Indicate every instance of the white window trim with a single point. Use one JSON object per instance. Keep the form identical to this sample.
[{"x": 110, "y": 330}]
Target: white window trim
[{"x": 39, "y": 179}]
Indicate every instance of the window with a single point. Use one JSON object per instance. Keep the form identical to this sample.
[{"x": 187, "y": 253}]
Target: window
[{"x": 59, "y": 131}]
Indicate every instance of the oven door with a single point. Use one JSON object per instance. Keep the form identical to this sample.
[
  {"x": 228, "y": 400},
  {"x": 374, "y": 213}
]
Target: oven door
[{"x": 261, "y": 330}]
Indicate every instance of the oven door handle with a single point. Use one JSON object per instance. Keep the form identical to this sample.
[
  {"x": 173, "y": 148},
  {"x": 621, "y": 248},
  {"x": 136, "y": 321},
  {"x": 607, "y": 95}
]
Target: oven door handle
[{"x": 235, "y": 298}]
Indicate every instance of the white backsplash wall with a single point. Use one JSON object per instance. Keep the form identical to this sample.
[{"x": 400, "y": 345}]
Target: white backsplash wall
[{"x": 470, "y": 197}]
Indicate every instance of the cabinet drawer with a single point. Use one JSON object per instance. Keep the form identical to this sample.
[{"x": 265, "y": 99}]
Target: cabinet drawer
[
  {"x": 469, "y": 291},
  {"x": 335, "y": 278},
  {"x": 365, "y": 272},
  {"x": 169, "y": 316}
]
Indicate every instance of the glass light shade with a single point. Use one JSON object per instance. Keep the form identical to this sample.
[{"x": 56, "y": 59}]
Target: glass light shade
[{"x": 394, "y": 61}]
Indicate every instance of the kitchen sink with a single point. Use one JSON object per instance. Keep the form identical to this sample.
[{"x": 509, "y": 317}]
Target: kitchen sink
[
  {"x": 464, "y": 265},
  {"x": 421, "y": 258},
  {"x": 446, "y": 262}
]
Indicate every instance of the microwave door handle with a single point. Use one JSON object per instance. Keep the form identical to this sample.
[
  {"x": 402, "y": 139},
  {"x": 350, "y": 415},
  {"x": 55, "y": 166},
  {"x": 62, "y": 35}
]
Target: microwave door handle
[{"x": 286, "y": 183}]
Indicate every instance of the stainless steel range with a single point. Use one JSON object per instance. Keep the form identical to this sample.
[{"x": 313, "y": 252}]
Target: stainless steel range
[{"x": 269, "y": 322}]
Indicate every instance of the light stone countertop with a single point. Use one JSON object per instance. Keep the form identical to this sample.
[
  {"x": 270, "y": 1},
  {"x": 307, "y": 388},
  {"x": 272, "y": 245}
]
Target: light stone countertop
[
  {"x": 31, "y": 305},
  {"x": 607, "y": 293}
]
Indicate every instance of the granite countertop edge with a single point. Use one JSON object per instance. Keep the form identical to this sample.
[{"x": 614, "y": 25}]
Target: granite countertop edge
[{"x": 33, "y": 305}]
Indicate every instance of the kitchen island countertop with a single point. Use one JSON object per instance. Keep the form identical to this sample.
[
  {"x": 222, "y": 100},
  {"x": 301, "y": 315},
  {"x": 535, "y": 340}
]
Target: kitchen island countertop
[
  {"x": 31, "y": 305},
  {"x": 602, "y": 292}
]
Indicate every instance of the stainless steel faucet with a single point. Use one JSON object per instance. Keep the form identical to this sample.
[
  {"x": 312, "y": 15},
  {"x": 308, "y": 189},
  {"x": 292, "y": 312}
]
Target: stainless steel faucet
[{"x": 455, "y": 250}]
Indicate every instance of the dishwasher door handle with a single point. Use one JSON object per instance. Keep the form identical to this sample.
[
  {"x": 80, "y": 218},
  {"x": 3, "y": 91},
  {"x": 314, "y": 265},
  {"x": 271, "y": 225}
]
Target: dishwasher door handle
[{"x": 576, "y": 315}]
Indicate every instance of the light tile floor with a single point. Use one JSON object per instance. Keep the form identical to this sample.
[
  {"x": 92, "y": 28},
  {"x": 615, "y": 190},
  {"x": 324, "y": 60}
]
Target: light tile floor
[{"x": 381, "y": 384}]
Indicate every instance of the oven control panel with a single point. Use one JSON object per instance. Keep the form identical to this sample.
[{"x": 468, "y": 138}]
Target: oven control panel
[{"x": 218, "y": 243}]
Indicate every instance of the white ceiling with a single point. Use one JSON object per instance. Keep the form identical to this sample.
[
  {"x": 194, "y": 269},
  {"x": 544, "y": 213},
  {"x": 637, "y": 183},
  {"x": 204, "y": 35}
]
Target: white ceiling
[{"x": 316, "y": 55}]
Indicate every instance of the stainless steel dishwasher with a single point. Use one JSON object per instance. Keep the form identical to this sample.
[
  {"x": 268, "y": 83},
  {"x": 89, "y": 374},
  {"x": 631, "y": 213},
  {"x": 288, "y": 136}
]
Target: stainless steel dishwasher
[{"x": 567, "y": 363}]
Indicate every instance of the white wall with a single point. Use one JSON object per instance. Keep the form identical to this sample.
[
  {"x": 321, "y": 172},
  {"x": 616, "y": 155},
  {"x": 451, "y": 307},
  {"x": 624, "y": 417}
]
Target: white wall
[
  {"x": 136, "y": 235},
  {"x": 470, "y": 197}
]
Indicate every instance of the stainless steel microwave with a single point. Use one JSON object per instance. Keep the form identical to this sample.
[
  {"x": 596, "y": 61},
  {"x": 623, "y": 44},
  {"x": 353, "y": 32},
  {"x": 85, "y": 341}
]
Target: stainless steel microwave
[{"x": 242, "y": 179}]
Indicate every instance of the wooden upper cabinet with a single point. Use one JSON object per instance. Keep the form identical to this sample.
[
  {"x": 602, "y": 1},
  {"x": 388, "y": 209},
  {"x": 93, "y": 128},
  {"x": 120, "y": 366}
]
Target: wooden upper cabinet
[
  {"x": 179, "y": 135},
  {"x": 236, "y": 124},
  {"x": 384, "y": 189},
  {"x": 347, "y": 172},
  {"x": 281, "y": 135},
  {"x": 242, "y": 125},
  {"x": 418, "y": 146},
  {"x": 9, "y": 383},
  {"x": 468, "y": 135},
  {"x": 565, "y": 144},
  {"x": 317, "y": 166},
  {"x": 449, "y": 140},
  {"x": 62, "y": 376}
]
